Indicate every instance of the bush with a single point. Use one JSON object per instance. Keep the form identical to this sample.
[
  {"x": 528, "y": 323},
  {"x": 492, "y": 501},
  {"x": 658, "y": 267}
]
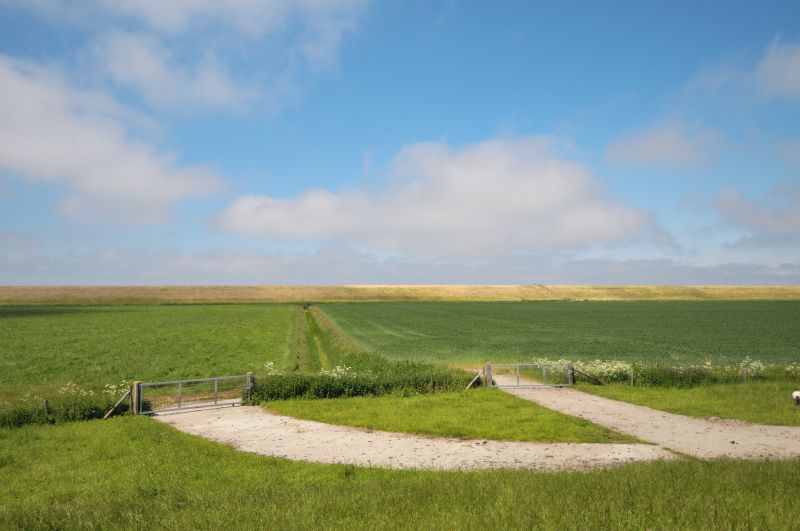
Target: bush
[{"x": 70, "y": 402}]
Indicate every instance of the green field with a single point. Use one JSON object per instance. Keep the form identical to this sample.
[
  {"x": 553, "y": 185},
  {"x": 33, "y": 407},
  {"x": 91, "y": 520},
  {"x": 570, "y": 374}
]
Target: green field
[
  {"x": 475, "y": 414},
  {"x": 137, "y": 473},
  {"x": 52, "y": 345},
  {"x": 671, "y": 332}
]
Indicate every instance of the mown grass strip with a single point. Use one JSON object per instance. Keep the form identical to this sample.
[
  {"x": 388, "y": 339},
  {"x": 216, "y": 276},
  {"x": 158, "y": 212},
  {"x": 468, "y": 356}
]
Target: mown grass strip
[
  {"x": 474, "y": 414},
  {"x": 137, "y": 473}
]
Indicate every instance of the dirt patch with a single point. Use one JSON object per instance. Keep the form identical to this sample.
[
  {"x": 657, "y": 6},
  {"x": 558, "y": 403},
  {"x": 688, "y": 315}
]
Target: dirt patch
[
  {"x": 253, "y": 429},
  {"x": 703, "y": 438}
]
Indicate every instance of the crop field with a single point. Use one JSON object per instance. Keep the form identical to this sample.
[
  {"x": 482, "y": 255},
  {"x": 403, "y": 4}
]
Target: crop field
[
  {"x": 53, "y": 345},
  {"x": 669, "y": 332}
]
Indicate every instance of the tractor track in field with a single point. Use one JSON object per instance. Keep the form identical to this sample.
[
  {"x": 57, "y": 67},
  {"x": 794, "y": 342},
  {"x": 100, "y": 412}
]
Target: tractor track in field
[
  {"x": 698, "y": 437},
  {"x": 252, "y": 429}
]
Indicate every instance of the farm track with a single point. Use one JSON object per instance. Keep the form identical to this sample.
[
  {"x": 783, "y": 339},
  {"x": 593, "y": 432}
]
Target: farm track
[
  {"x": 703, "y": 438},
  {"x": 253, "y": 429}
]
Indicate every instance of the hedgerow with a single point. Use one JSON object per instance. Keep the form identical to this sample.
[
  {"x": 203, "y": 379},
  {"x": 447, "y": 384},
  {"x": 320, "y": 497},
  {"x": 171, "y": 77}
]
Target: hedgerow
[{"x": 403, "y": 378}]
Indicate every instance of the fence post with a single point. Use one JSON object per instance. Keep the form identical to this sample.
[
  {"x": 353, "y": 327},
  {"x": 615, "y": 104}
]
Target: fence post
[
  {"x": 136, "y": 397},
  {"x": 249, "y": 387},
  {"x": 488, "y": 375},
  {"x": 570, "y": 373}
]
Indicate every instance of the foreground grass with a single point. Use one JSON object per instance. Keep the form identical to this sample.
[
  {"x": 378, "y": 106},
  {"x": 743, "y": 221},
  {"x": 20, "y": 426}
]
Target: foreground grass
[
  {"x": 475, "y": 414},
  {"x": 137, "y": 473},
  {"x": 676, "y": 332},
  {"x": 53, "y": 345},
  {"x": 758, "y": 402}
]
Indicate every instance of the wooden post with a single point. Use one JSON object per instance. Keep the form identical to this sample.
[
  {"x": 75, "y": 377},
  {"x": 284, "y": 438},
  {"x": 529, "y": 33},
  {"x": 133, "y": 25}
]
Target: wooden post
[
  {"x": 136, "y": 397},
  {"x": 249, "y": 387},
  {"x": 570, "y": 373},
  {"x": 488, "y": 370}
]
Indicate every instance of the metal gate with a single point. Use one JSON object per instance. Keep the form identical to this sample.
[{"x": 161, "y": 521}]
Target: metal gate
[
  {"x": 528, "y": 375},
  {"x": 174, "y": 395}
]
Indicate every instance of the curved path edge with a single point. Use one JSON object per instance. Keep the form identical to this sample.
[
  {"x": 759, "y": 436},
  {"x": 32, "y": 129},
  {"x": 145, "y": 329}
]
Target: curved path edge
[
  {"x": 698, "y": 437},
  {"x": 252, "y": 429}
]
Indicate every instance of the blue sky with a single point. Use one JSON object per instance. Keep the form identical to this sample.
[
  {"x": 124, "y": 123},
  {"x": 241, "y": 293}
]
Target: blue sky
[{"x": 347, "y": 141}]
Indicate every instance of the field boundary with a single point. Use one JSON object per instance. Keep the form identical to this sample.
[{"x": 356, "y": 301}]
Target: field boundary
[{"x": 377, "y": 293}]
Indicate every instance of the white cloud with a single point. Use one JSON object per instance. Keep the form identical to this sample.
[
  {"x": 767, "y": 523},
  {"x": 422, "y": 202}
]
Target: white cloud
[
  {"x": 206, "y": 53},
  {"x": 494, "y": 197},
  {"x": 778, "y": 73},
  {"x": 108, "y": 266},
  {"x": 144, "y": 63},
  {"x": 55, "y": 133},
  {"x": 775, "y": 222},
  {"x": 669, "y": 145}
]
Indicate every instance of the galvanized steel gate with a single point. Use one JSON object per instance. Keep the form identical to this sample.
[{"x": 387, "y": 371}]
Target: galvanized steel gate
[
  {"x": 174, "y": 395},
  {"x": 527, "y": 375}
]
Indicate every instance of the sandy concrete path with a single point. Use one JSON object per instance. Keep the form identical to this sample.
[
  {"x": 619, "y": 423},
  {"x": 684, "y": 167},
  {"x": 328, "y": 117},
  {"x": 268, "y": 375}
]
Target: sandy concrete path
[
  {"x": 698, "y": 437},
  {"x": 253, "y": 429}
]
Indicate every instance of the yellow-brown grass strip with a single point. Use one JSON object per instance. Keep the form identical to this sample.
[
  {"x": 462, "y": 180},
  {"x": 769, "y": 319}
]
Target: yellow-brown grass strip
[{"x": 295, "y": 294}]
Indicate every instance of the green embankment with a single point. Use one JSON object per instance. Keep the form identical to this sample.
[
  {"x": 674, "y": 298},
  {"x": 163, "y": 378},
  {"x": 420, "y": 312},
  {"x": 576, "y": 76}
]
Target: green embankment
[
  {"x": 137, "y": 473},
  {"x": 668, "y": 332},
  {"x": 758, "y": 402},
  {"x": 474, "y": 414}
]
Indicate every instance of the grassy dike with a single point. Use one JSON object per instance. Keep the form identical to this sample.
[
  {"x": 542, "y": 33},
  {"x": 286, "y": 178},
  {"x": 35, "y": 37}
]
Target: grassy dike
[{"x": 135, "y": 472}]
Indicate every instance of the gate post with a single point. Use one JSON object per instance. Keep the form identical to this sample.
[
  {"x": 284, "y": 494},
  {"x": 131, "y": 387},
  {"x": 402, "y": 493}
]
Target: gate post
[
  {"x": 570, "y": 373},
  {"x": 488, "y": 372},
  {"x": 136, "y": 397},
  {"x": 249, "y": 387}
]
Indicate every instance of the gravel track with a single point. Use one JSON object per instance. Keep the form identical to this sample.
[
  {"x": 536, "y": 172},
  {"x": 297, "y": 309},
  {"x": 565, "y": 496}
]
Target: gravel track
[
  {"x": 252, "y": 429},
  {"x": 703, "y": 438}
]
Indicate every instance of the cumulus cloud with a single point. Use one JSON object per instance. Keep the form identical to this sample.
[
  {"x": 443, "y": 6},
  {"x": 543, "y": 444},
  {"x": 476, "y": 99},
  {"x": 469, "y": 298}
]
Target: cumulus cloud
[
  {"x": 498, "y": 196},
  {"x": 774, "y": 222},
  {"x": 55, "y": 133},
  {"x": 143, "y": 62},
  {"x": 197, "y": 53},
  {"x": 670, "y": 145},
  {"x": 778, "y": 73}
]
